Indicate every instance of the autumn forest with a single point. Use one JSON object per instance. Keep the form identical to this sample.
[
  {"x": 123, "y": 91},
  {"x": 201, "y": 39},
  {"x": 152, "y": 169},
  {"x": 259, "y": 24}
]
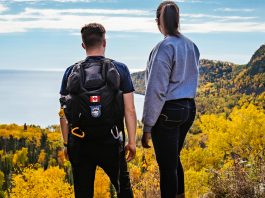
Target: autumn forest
[{"x": 223, "y": 156}]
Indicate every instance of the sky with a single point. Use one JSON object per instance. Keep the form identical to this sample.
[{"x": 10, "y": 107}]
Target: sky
[{"x": 45, "y": 35}]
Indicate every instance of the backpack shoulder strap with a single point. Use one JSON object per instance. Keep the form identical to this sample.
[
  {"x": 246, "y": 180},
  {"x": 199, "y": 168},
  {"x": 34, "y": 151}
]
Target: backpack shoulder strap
[
  {"x": 109, "y": 62},
  {"x": 77, "y": 65},
  {"x": 108, "y": 59}
]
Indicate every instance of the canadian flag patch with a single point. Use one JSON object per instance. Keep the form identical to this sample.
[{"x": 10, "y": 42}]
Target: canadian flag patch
[{"x": 94, "y": 99}]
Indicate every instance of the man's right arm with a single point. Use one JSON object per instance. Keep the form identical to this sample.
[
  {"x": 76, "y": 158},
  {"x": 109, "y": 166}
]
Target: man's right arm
[
  {"x": 64, "y": 126},
  {"x": 130, "y": 121},
  {"x": 63, "y": 120}
]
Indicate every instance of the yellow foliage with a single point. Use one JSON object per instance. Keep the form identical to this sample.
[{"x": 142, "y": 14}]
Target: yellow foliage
[
  {"x": 2, "y": 179},
  {"x": 240, "y": 136},
  {"x": 101, "y": 185},
  {"x": 18, "y": 132},
  {"x": 32, "y": 133},
  {"x": 144, "y": 174},
  {"x": 242, "y": 133},
  {"x": 55, "y": 136},
  {"x": 42, "y": 184},
  {"x": 42, "y": 156},
  {"x": 221, "y": 140},
  {"x": 20, "y": 158},
  {"x": 196, "y": 183},
  {"x": 61, "y": 157}
]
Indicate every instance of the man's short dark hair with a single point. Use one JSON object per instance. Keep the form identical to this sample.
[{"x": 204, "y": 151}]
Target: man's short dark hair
[{"x": 93, "y": 35}]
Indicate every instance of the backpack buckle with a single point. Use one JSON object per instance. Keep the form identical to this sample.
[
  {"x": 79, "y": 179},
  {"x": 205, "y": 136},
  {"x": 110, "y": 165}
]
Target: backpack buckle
[
  {"x": 117, "y": 134},
  {"x": 82, "y": 135}
]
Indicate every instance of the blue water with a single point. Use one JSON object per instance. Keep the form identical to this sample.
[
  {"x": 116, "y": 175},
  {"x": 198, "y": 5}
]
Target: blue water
[{"x": 32, "y": 97}]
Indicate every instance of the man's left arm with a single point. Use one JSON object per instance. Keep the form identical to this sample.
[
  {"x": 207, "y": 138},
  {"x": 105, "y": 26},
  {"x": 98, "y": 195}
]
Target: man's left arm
[
  {"x": 130, "y": 121},
  {"x": 127, "y": 88}
]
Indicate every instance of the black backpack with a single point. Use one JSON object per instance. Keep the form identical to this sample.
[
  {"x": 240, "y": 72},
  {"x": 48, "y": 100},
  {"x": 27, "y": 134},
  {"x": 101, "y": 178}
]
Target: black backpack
[{"x": 94, "y": 106}]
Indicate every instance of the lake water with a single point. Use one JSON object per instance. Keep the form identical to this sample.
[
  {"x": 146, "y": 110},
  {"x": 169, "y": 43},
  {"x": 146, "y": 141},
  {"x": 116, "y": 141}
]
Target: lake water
[{"x": 32, "y": 97}]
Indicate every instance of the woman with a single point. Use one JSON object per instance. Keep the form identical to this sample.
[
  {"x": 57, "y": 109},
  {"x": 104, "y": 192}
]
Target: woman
[{"x": 169, "y": 107}]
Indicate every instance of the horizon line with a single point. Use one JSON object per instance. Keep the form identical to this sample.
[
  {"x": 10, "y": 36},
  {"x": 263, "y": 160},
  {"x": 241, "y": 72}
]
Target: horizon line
[{"x": 54, "y": 70}]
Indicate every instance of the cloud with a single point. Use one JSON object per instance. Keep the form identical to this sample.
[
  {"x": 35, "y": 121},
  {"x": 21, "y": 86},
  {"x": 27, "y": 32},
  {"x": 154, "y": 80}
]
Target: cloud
[
  {"x": 185, "y": 1},
  {"x": 234, "y": 9},
  {"x": 45, "y": 12},
  {"x": 222, "y": 18},
  {"x": 3, "y": 8},
  {"x": 120, "y": 20},
  {"x": 85, "y": 1},
  {"x": 180, "y": 1},
  {"x": 61, "y": 1},
  {"x": 208, "y": 27},
  {"x": 72, "y": 19}
]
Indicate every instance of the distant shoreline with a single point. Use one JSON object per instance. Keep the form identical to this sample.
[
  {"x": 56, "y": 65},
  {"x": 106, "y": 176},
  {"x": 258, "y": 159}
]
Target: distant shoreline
[
  {"x": 136, "y": 92},
  {"x": 53, "y": 70},
  {"x": 32, "y": 70}
]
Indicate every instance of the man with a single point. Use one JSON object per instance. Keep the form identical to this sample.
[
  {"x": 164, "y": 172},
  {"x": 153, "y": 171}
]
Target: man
[{"x": 86, "y": 154}]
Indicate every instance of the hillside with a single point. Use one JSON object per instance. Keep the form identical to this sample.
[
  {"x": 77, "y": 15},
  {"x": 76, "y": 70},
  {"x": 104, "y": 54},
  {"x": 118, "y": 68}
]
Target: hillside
[
  {"x": 222, "y": 84},
  {"x": 257, "y": 62},
  {"x": 225, "y": 158}
]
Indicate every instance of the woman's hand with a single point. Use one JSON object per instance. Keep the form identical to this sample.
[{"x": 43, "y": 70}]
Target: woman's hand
[{"x": 145, "y": 139}]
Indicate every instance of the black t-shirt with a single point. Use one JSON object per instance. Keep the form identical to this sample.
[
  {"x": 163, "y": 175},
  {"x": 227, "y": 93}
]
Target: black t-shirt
[{"x": 126, "y": 85}]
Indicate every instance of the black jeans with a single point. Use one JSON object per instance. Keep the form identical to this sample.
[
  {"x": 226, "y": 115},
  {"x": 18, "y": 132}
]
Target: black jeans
[
  {"x": 109, "y": 154},
  {"x": 168, "y": 137}
]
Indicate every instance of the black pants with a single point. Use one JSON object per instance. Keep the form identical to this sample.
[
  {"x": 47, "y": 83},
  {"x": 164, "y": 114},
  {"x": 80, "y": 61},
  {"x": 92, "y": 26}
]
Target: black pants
[
  {"x": 168, "y": 137},
  {"x": 86, "y": 155}
]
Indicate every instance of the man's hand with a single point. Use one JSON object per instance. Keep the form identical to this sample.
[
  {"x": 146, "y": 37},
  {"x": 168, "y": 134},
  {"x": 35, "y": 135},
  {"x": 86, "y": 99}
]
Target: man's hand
[
  {"x": 145, "y": 139},
  {"x": 130, "y": 151},
  {"x": 65, "y": 153}
]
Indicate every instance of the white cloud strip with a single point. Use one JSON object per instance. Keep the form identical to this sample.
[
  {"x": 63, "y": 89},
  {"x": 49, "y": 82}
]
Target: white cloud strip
[
  {"x": 185, "y": 1},
  {"x": 204, "y": 16},
  {"x": 234, "y": 9},
  {"x": 60, "y": 1},
  {"x": 3, "y": 8},
  {"x": 45, "y": 12},
  {"x": 122, "y": 20},
  {"x": 224, "y": 27}
]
